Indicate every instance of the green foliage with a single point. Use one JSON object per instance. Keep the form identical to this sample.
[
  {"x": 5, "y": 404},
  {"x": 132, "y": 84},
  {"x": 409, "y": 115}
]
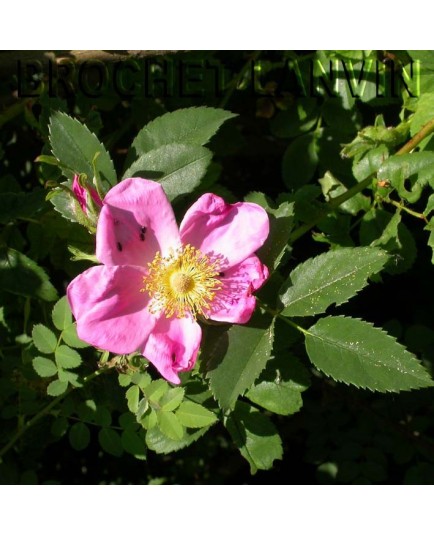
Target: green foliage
[
  {"x": 18, "y": 205},
  {"x": 237, "y": 359},
  {"x": 162, "y": 411},
  {"x": 69, "y": 335},
  {"x": 64, "y": 358},
  {"x": 79, "y": 150},
  {"x": 162, "y": 444},
  {"x": 44, "y": 339},
  {"x": 281, "y": 224},
  {"x": 192, "y": 415},
  {"x": 44, "y": 367},
  {"x": 191, "y": 126},
  {"x": 256, "y": 437},
  {"x": 300, "y": 161},
  {"x": 110, "y": 441},
  {"x": 22, "y": 276},
  {"x": 355, "y": 352},
  {"x": 332, "y": 277},
  {"x": 297, "y": 119},
  {"x": 380, "y": 228},
  {"x": 409, "y": 173},
  {"x": 178, "y": 168},
  {"x": 67, "y": 357},
  {"x": 170, "y": 425},
  {"x": 279, "y": 387},
  {"x": 61, "y": 315},
  {"x": 79, "y": 436},
  {"x": 56, "y": 388}
]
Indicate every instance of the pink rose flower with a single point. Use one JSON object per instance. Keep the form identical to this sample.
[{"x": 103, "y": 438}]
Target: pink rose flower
[
  {"x": 81, "y": 195},
  {"x": 157, "y": 279}
]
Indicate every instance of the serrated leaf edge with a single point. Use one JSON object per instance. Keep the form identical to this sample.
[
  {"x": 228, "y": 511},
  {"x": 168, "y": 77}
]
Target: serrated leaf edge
[
  {"x": 270, "y": 330},
  {"x": 177, "y": 112},
  {"x": 388, "y": 336},
  {"x": 311, "y": 262},
  {"x": 58, "y": 113}
]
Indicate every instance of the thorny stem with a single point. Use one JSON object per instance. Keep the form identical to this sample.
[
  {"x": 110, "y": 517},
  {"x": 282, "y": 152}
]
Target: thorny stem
[
  {"x": 337, "y": 201},
  {"x": 25, "y": 426}
]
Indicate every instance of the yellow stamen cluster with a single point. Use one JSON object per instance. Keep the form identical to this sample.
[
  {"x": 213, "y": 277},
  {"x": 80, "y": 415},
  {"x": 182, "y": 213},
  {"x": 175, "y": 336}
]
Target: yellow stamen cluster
[{"x": 182, "y": 283}]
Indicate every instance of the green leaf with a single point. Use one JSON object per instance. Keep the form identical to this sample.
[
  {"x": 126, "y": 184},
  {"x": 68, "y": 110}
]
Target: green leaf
[
  {"x": 370, "y": 162},
  {"x": 190, "y": 126},
  {"x": 380, "y": 228},
  {"x": 61, "y": 314},
  {"x": 415, "y": 170},
  {"x": 56, "y": 388},
  {"x": 59, "y": 427},
  {"x": 128, "y": 422},
  {"x": 155, "y": 390},
  {"x": 20, "y": 275},
  {"x": 430, "y": 227},
  {"x": 237, "y": 359},
  {"x": 299, "y": 118},
  {"x": 67, "y": 357},
  {"x": 256, "y": 437},
  {"x": 340, "y": 113},
  {"x": 110, "y": 441},
  {"x": 429, "y": 205},
  {"x": 142, "y": 408},
  {"x": 331, "y": 277},
  {"x": 44, "y": 367},
  {"x": 141, "y": 378},
  {"x": 149, "y": 420},
  {"x": 194, "y": 415},
  {"x": 172, "y": 399},
  {"x": 79, "y": 436},
  {"x": 178, "y": 168},
  {"x": 279, "y": 387},
  {"x": 15, "y": 205},
  {"x": 69, "y": 377},
  {"x": 355, "y": 352},
  {"x": 65, "y": 204},
  {"x": 281, "y": 225},
  {"x": 124, "y": 380},
  {"x": 300, "y": 161},
  {"x": 162, "y": 444},
  {"x": 132, "y": 396},
  {"x": 170, "y": 425},
  {"x": 44, "y": 339},
  {"x": 134, "y": 444},
  {"x": 75, "y": 146},
  {"x": 103, "y": 417},
  {"x": 332, "y": 187},
  {"x": 69, "y": 335},
  {"x": 276, "y": 398},
  {"x": 424, "y": 113}
]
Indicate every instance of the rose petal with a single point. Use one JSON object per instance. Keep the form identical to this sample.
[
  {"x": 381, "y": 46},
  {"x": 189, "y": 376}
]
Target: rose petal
[
  {"x": 173, "y": 345},
  {"x": 230, "y": 232},
  {"x": 234, "y": 301},
  {"x": 110, "y": 310},
  {"x": 135, "y": 222}
]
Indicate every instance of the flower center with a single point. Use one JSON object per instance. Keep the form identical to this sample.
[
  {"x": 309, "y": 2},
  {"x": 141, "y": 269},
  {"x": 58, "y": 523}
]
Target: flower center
[{"x": 182, "y": 283}]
